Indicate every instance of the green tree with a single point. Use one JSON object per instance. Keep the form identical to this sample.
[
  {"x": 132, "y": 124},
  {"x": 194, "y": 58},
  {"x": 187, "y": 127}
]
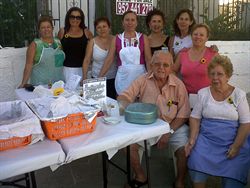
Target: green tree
[
  {"x": 226, "y": 27},
  {"x": 18, "y": 22}
]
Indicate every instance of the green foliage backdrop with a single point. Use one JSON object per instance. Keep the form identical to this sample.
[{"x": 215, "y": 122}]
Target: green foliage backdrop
[
  {"x": 224, "y": 27},
  {"x": 17, "y": 22}
]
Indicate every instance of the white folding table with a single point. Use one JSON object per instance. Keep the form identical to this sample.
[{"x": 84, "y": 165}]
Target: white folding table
[
  {"x": 29, "y": 158},
  {"x": 111, "y": 138},
  {"x": 108, "y": 138}
]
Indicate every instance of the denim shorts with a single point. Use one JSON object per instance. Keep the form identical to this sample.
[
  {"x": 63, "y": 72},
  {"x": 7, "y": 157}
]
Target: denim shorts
[{"x": 200, "y": 177}]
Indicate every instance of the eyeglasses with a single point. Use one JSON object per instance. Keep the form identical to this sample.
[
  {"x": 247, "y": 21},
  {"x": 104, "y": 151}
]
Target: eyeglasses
[
  {"x": 218, "y": 74},
  {"x": 75, "y": 17},
  {"x": 165, "y": 65}
]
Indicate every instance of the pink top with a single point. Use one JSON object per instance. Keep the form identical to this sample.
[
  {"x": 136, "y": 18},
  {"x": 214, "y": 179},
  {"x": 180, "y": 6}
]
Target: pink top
[
  {"x": 194, "y": 73},
  {"x": 119, "y": 47}
]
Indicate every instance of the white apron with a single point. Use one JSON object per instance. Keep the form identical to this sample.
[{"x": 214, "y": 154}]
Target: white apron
[{"x": 130, "y": 67}]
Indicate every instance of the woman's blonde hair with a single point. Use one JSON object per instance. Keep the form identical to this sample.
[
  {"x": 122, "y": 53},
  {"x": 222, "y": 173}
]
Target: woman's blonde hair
[
  {"x": 224, "y": 62},
  {"x": 201, "y": 25}
]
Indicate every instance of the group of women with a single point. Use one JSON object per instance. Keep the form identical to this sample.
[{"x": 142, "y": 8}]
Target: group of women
[
  {"x": 120, "y": 58},
  {"x": 217, "y": 144}
]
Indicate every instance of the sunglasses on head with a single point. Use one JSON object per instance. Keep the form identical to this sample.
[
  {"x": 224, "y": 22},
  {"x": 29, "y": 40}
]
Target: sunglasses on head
[{"x": 75, "y": 17}]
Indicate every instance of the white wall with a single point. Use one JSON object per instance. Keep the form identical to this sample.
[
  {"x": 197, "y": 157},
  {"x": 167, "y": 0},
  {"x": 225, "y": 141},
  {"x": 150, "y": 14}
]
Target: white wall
[{"x": 12, "y": 61}]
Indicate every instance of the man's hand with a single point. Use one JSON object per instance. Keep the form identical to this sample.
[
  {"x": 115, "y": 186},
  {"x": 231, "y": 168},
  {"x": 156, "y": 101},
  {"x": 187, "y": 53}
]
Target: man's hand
[
  {"x": 162, "y": 143},
  {"x": 214, "y": 48}
]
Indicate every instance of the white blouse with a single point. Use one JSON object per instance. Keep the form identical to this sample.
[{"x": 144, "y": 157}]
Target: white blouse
[
  {"x": 99, "y": 56},
  {"x": 180, "y": 43},
  {"x": 235, "y": 107}
]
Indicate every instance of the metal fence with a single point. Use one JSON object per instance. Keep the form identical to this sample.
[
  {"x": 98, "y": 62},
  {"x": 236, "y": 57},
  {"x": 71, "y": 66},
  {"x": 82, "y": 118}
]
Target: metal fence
[
  {"x": 57, "y": 9},
  {"x": 228, "y": 19},
  {"x": 18, "y": 18}
]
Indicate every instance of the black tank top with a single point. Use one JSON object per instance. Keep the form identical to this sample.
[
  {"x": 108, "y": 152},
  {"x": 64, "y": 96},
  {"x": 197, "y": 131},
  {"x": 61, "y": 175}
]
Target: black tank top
[
  {"x": 74, "y": 49},
  {"x": 165, "y": 44}
]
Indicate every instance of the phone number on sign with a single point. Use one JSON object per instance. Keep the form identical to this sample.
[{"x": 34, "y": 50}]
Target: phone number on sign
[{"x": 139, "y": 8}]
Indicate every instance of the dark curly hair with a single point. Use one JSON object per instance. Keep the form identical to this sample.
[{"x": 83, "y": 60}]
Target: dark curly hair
[
  {"x": 153, "y": 13},
  {"x": 67, "y": 24},
  {"x": 101, "y": 19},
  {"x": 44, "y": 19},
  {"x": 191, "y": 16}
]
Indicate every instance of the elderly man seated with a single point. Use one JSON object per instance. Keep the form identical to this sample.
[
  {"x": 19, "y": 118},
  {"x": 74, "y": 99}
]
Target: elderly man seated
[{"x": 164, "y": 89}]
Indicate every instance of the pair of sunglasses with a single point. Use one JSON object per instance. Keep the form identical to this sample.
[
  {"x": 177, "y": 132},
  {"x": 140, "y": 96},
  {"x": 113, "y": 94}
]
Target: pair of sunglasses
[{"x": 75, "y": 17}]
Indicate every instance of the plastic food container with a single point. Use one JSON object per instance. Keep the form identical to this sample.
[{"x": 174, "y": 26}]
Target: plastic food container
[
  {"x": 14, "y": 142},
  {"x": 19, "y": 126},
  {"x": 72, "y": 125},
  {"x": 141, "y": 113},
  {"x": 66, "y": 125}
]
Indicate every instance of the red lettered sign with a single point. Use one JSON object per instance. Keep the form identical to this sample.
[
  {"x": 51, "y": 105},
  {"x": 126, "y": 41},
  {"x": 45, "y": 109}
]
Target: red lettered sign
[{"x": 140, "y": 7}]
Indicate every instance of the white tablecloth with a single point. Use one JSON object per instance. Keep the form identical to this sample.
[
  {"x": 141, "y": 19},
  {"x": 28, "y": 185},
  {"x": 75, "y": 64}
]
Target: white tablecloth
[
  {"x": 21, "y": 160},
  {"x": 108, "y": 138},
  {"x": 111, "y": 138},
  {"x": 24, "y": 95}
]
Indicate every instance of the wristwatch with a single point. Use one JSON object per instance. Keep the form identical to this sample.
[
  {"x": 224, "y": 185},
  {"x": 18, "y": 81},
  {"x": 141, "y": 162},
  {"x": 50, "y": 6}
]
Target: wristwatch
[{"x": 171, "y": 131}]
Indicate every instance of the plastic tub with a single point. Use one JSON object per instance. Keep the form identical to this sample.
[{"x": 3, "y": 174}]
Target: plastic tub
[{"x": 141, "y": 113}]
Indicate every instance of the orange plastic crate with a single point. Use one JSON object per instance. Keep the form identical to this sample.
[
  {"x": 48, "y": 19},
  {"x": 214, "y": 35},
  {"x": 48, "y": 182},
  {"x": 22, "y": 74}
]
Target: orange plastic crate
[
  {"x": 14, "y": 142},
  {"x": 73, "y": 124}
]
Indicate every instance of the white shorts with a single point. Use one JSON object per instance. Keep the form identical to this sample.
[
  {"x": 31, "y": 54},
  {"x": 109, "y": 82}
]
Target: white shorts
[
  {"x": 176, "y": 141},
  {"x": 179, "y": 138}
]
